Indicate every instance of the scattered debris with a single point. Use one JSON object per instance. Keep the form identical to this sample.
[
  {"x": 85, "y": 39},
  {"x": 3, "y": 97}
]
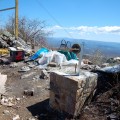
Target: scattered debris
[
  {"x": 105, "y": 65},
  {"x": 111, "y": 69},
  {"x": 90, "y": 67},
  {"x": 27, "y": 75},
  {"x": 24, "y": 69},
  {"x": 29, "y": 92},
  {"x": 6, "y": 102},
  {"x": 52, "y": 64},
  {"x": 13, "y": 65},
  {"x": 44, "y": 74},
  {"x": 31, "y": 65},
  {"x": 17, "y": 55},
  {"x": 4, "y": 61},
  {"x": 6, "y": 112},
  {"x": 16, "y": 117},
  {"x": 36, "y": 78},
  {"x": 18, "y": 99},
  {"x": 38, "y": 53},
  {"x": 52, "y": 56},
  {"x": 86, "y": 61},
  {"x": 65, "y": 95},
  {"x": 3, "y": 79},
  {"x": 4, "y": 51},
  {"x": 31, "y": 119},
  {"x": 8, "y": 40}
]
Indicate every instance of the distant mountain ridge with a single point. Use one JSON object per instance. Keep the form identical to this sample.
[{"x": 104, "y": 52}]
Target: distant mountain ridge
[{"x": 110, "y": 49}]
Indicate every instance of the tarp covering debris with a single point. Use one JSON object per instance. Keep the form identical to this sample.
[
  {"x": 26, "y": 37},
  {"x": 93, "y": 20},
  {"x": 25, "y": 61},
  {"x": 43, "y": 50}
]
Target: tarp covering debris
[
  {"x": 38, "y": 53},
  {"x": 111, "y": 69},
  {"x": 52, "y": 56}
]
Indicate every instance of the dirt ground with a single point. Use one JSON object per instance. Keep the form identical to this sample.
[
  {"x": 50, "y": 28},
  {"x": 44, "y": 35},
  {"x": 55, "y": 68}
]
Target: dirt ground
[
  {"x": 27, "y": 106},
  {"x": 37, "y": 107}
]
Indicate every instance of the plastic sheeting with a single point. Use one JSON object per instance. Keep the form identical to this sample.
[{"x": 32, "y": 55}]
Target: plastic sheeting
[
  {"x": 38, "y": 53},
  {"x": 57, "y": 57},
  {"x": 52, "y": 56},
  {"x": 111, "y": 69}
]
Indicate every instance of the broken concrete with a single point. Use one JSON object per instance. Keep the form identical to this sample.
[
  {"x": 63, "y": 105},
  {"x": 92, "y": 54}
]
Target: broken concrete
[
  {"x": 44, "y": 74},
  {"x": 52, "y": 64},
  {"x": 111, "y": 69},
  {"x": 69, "y": 93},
  {"x": 27, "y": 75},
  {"x": 29, "y": 92},
  {"x": 24, "y": 69},
  {"x": 3, "y": 79}
]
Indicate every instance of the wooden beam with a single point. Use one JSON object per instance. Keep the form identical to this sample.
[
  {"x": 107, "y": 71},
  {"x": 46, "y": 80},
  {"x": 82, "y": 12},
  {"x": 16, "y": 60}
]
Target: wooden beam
[
  {"x": 16, "y": 19},
  {"x": 7, "y": 9}
]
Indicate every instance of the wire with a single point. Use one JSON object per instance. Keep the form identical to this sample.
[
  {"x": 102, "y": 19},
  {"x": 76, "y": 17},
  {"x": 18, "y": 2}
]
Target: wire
[{"x": 47, "y": 11}]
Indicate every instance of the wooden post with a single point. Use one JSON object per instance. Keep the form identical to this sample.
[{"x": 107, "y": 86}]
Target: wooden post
[{"x": 16, "y": 19}]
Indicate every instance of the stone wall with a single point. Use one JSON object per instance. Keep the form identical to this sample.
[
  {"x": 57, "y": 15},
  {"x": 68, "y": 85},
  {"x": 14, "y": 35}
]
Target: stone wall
[{"x": 69, "y": 93}]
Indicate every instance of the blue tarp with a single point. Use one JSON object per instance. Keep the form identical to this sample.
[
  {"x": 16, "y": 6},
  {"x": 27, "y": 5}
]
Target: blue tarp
[{"x": 38, "y": 53}]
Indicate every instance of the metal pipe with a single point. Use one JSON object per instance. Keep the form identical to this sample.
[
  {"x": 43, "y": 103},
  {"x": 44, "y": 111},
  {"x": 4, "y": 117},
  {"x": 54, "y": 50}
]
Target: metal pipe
[{"x": 80, "y": 60}]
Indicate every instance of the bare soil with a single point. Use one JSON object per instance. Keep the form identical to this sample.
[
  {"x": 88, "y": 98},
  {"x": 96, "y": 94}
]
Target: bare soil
[
  {"x": 37, "y": 106},
  {"x": 27, "y": 106}
]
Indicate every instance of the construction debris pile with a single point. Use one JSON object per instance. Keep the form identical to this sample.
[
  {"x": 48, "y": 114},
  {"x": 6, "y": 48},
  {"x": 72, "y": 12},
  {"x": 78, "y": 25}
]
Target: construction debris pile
[
  {"x": 8, "y": 40},
  {"x": 46, "y": 84}
]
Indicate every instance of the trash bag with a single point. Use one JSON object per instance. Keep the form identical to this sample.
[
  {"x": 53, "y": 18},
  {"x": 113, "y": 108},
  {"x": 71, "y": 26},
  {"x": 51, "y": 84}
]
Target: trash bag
[
  {"x": 46, "y": 58},
  {"x": 52, "y": 56},
  {"x": 59, "y": 58}
]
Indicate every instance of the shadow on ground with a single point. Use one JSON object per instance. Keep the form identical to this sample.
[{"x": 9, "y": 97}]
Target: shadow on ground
[{"x": 44, "y": 112}]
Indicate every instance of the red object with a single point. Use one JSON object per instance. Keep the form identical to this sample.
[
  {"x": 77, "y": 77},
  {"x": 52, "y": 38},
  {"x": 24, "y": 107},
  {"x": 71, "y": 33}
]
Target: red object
[{"x": 17, "y": 55}]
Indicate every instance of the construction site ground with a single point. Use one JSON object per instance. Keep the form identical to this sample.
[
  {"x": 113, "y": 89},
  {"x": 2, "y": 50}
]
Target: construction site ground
[
  {"x": 27, "y": 106},
  {"x": 37, "y": 107}
]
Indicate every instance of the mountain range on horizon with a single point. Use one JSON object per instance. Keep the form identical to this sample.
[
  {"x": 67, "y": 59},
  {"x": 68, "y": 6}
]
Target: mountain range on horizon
[{"x": 109, "y": 49}]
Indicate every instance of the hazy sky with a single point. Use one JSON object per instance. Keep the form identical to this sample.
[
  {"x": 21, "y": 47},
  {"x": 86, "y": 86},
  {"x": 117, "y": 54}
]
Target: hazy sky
[{"x": 84, "y": 19}]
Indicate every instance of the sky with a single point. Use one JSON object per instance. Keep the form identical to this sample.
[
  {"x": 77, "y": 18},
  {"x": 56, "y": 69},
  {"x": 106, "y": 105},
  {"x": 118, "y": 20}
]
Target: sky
[{"x": 81, "y": 19}]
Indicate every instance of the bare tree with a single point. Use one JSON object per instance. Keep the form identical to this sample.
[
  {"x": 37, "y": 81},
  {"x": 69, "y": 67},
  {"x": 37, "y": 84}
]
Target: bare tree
[
  {"x": 29, "y": 30},
  {"x": 98, "y": 58},
  {"x": 0, "y": 28}
]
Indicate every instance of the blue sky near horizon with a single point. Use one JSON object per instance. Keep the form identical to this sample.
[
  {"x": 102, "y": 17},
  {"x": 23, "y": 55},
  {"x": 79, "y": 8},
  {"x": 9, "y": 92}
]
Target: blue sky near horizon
[{"x": 82, "y": 19}]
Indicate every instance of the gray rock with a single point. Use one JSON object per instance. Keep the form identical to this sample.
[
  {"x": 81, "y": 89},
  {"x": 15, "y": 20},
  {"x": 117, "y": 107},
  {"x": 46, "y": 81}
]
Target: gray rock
[
  {"x": 29, "y": 92},
  {"x": 31, "y": 119},
  {"x": 105, "y": 65},
  {"x": 44, "y": 74},
  {"x": 52, "y": 64},
  {"x": 27, "y": 75},
  {"x": 17, "y": 117},
  {"x": 6, "y": 112},
  {"x": 13, "y": 65},
  {"x": 24, "y": 69}
]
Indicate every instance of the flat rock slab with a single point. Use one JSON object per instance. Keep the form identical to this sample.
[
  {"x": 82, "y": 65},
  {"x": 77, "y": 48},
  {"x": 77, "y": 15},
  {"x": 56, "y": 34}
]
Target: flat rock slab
[
  {"x": 69, "y": 93},
  {"x": 3, "y": 79}
]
